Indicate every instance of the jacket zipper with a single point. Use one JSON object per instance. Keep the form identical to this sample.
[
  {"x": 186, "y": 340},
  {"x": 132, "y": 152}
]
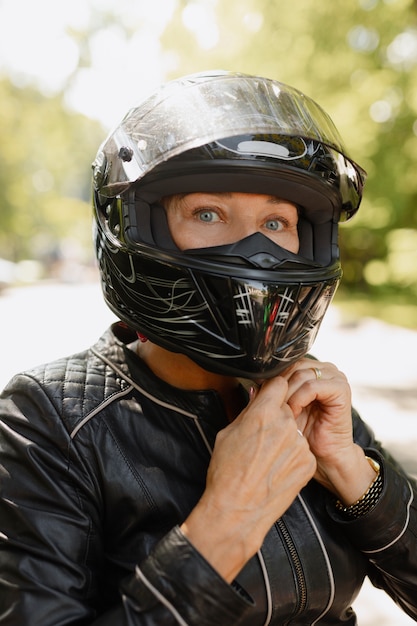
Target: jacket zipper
[
  {"x": 298, "y": 568},
  {"x": 295, "y": 559}
]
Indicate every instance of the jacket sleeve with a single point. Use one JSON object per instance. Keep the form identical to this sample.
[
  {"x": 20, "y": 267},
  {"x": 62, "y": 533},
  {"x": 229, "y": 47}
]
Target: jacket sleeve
[
  {"x": 51, "y": 542},
  {"x": 387, "y": 535}
]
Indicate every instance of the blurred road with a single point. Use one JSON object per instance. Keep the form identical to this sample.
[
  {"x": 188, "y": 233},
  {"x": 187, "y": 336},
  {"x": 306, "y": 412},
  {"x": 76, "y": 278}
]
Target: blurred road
[{"x": 46, "y": 321}]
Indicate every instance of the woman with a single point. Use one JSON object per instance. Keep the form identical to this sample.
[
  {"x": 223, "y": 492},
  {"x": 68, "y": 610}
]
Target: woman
[{"x": 196, "y": 466}]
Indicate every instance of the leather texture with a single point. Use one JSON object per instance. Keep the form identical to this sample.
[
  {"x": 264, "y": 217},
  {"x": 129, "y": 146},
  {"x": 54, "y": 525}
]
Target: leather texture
[{"x": 100, "y": 462}]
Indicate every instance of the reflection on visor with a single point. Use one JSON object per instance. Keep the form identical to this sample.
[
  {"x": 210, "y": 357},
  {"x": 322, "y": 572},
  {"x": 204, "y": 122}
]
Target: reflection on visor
[{"x": 269, "y": 149}]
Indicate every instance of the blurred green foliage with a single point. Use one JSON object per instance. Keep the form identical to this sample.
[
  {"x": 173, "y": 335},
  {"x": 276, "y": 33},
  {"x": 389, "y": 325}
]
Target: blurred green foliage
[
  {"x": 45, "y": 156},
  {"x": 358, "y": 59}
]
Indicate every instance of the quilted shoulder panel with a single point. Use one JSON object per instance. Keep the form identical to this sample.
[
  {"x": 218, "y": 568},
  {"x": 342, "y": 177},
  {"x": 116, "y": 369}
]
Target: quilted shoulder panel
[{"x": 77, "y": 385}]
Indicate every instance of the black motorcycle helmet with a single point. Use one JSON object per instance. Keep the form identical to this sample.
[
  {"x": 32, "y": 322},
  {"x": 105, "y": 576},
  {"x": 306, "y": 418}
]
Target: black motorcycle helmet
[{"x": 247, "y": 309}]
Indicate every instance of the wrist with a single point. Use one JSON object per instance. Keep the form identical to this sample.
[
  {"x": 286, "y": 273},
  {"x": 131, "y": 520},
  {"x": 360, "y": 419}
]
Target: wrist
[
  {"x": 369, "y": 499},
  {"x": 350, "y": 475},
  {"x": 224, "y": 543}
]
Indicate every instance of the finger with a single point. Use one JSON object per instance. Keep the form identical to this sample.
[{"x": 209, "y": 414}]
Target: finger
[
  {"x": 273, "y": 389},
  {"x": 332, "y": 395},
  {"x": 303, "y": 375},
  {"x": 303, "y": 372},
  {"x": 317, "y": 372},
  {"x": 266, "y": 402}
]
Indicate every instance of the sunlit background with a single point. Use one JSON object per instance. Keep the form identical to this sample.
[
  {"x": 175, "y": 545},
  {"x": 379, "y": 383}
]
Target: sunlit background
[
  {"x": 81, "y": 48},
  {"x": 69, "y": 71}
]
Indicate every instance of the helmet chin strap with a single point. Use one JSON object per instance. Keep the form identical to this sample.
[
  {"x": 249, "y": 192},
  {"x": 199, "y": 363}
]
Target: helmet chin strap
[{"x": 256, "y": 250}]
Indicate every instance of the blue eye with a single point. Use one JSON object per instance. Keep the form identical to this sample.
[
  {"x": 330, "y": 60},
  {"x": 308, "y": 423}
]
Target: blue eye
[
  {"x": 207, "y": 216},
  {"x": 273, "y": 225}
]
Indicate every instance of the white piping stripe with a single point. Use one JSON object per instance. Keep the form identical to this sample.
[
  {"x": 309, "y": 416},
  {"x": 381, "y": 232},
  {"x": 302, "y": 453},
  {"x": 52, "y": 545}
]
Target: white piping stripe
[
  {"x": 326, "y": 558},
  {"x": 160, "y": 597},
  {"x": 154, "y": 399},
  {"x": 203, "y": 436},
  {"x": 267, "y": 586},
  {"x": 101, "y": 406},
  {"x": 403, "y": 530},
  {"x": 123, "y": 375}
]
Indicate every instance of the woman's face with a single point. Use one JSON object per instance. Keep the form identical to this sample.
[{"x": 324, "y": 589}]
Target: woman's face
[{"x": 201, "y": 220}]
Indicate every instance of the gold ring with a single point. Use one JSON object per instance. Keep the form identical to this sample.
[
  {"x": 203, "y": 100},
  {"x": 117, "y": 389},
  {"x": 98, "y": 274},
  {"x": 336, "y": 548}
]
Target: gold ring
[{"x": 317, "y": 372}]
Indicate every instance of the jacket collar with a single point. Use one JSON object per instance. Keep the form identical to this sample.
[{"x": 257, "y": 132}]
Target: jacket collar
[{"x": 205, "y": 404}]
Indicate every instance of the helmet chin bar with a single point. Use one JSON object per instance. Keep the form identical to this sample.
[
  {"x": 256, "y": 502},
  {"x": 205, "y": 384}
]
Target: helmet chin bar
[{"x": 250, "y": 327}]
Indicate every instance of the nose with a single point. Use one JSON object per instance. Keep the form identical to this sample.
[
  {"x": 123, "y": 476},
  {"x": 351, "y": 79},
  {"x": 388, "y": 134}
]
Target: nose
[{"x": 243, "y": 227}]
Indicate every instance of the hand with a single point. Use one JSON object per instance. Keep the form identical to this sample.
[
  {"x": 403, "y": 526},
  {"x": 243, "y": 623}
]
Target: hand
[
  {"x": 321, "y": 405},
  {"x": 259, "y": 464}
]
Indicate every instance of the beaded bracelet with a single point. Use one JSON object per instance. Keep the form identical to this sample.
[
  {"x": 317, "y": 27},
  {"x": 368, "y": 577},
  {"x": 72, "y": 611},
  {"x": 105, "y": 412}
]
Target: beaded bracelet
[{"x": 369, "y": 498}]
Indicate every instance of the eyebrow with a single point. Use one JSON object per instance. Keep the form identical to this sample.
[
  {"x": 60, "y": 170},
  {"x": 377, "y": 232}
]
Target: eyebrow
[
  {"x": 277, "y": 199},
  {"x": 228, "y": 194}
]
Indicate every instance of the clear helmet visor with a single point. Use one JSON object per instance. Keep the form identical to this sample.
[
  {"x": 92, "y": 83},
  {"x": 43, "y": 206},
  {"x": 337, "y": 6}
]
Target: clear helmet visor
[{"x": 202, "y": 108}]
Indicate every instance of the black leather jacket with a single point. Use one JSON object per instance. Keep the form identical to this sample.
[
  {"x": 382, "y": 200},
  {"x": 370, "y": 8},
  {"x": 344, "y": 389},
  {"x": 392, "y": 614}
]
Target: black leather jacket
[{"x": 100, "y": 463}]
